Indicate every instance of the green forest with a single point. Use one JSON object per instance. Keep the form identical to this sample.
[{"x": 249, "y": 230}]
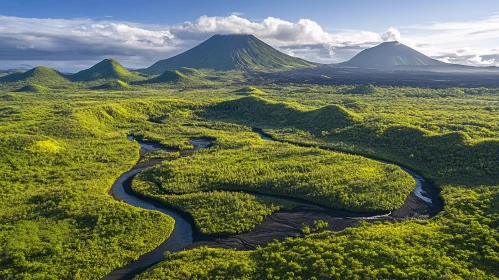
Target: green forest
[
  {"x": 207, "y": 185},
  {"x": 331, "y": 179},
  {"x": 63, "y": 148}
]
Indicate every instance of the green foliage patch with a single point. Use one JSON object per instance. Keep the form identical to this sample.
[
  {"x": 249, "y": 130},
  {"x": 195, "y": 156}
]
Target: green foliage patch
[
  {"x": 249, "y": 91},
  {"x": 34, "y": 88},
  {"x": 113, "y": 85},
  {"x": 332, "y": 179}
]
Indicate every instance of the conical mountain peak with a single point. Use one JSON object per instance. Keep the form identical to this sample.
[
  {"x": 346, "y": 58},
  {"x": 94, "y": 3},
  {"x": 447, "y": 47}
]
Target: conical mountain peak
[
  {"x": 39, "y": 75},
  {"x": 390, "y": 54},
  {"x": 228, "y": 52},
  {"x": 106, "y": 69}
]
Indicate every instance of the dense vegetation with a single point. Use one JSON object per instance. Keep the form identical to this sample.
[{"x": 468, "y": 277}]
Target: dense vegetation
[
  {"x": 332, "y": 179},
  {"x": 168, "y": 77},
  {"x": 219, "y": 212},
  {"x": 214, "y": 212},
  {"x": 459, "y": 244},
  {"x": 113, "y": 85},
  {"x": 34, "y": 88},
  {"x": 240, "y": 161},
  {"x": 57, "y": 220},
  {"x": 429, "y": 130},
  {"x": 62, "y": 150},
  {"x": 254, "y": 110},
  {"x": 249, "y": 90}
]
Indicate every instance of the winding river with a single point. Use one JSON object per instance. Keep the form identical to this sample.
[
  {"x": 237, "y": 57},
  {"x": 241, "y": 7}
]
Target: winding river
[{"x": 423, "y": 202}]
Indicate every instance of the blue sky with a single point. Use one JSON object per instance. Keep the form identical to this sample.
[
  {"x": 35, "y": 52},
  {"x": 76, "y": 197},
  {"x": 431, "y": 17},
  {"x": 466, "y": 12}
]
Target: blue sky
[
  {"x": 70, "y": 35},
  {"x": 379, "y": 14}
]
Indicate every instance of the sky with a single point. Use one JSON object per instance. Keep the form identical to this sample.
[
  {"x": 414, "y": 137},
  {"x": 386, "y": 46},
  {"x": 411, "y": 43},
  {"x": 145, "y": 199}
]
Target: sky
[{"x": 72, "y": 35}]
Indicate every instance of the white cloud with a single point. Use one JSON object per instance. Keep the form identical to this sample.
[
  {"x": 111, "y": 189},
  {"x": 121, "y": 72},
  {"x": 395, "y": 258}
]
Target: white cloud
[
  {"x": 467, "y": 42},
  {"x": 274, "y": 30},
  {"x": 391, "y": 35},
  {"x": 85, "y": 41}
]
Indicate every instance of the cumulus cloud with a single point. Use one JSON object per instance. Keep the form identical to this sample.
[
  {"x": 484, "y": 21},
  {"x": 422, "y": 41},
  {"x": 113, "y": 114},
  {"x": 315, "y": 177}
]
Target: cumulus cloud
[
  {"x": 72, "y": 44},
  {"x": 391, "y": 35},
  {"x": 470, "y": 57}
]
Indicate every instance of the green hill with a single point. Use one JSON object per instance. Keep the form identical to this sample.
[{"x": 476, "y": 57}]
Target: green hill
[
  {"x": 168, "y": 77},
  {"x": 113, "y": 85},
  {"x": 229, "y": 52},
  {"x": 189, "y": 71},
  {"x": 33, "y": 88},
  {"x": 391, "y": 54},
  {"x": 363, "y": 89},
  {"x": 249, "y": 90},
  {"x": 108, "y": 69},
  {"x": 254, "y": 110},
  {"x": 39, "y": 75}
]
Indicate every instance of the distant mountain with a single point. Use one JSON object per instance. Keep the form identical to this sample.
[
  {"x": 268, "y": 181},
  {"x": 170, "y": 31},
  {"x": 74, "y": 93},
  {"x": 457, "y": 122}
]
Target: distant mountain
[
  {"x": 39, "y": 75},
  {"x": 19, "y": 68},
  {"x": 24, "y": 67},
  {"x": 228, "y": 52},
  {"x": 108, "y": 69},
  {"x": 390, "y": 54},
  {"x": 8, "y": 72}
]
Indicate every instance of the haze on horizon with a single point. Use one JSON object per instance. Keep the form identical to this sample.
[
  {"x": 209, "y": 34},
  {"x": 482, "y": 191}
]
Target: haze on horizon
[{"x": 74, "y": 36}]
